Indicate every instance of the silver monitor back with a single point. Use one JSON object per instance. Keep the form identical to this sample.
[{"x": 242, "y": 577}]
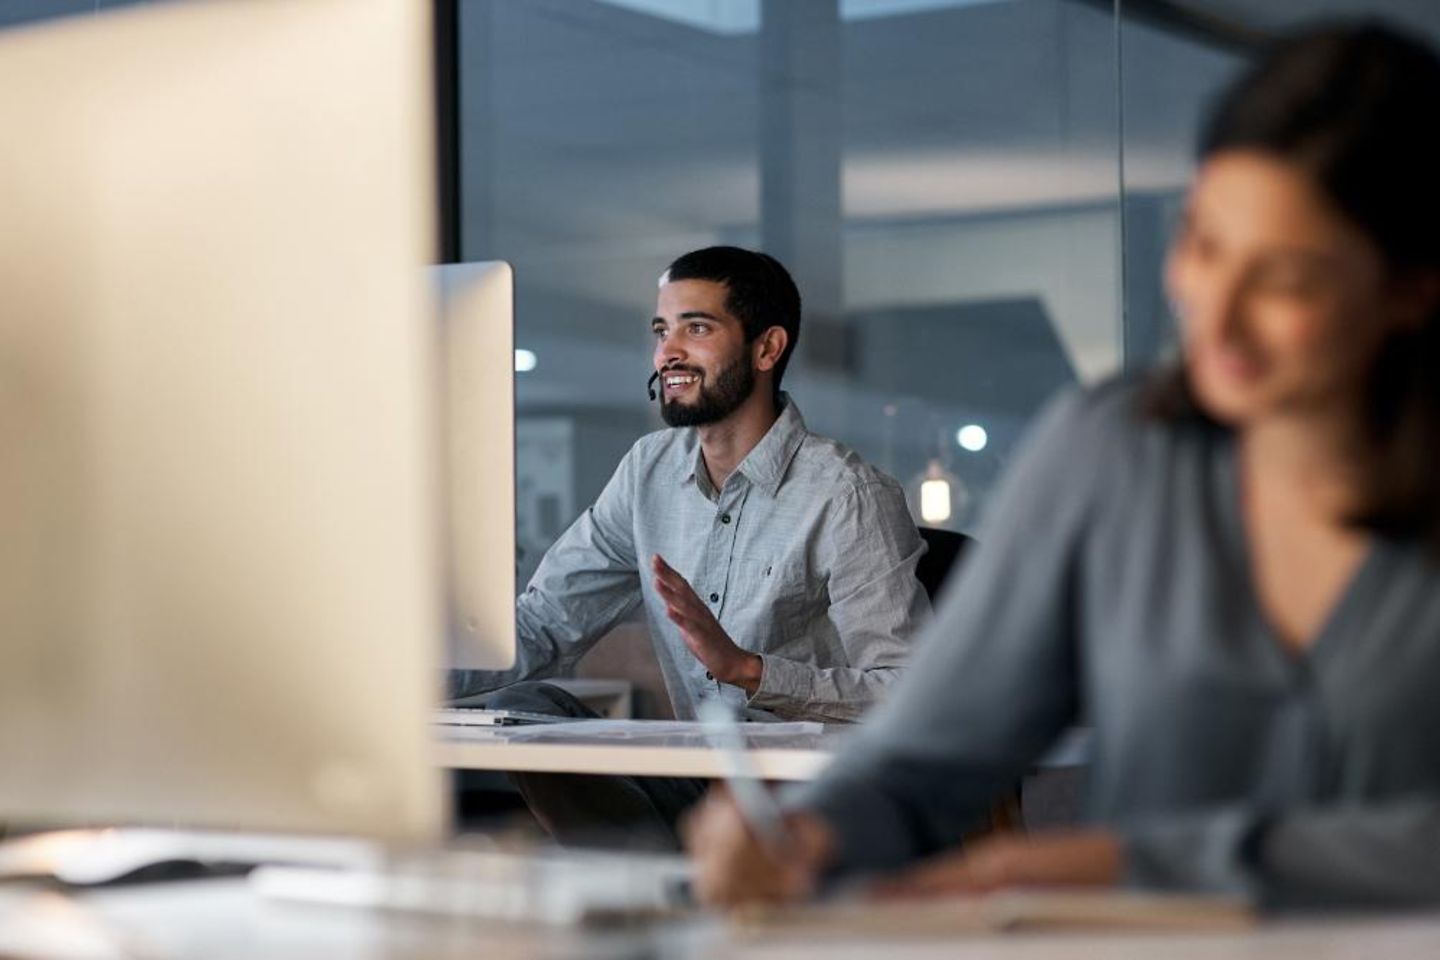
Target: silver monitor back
[
  {"x": 219, "y": 570},
  {"x": 478, "y": 346}
]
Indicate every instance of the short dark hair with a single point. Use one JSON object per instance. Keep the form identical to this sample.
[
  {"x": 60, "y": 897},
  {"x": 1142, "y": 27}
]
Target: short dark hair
[
  {"x": 1353, "y": 105},
  {"x": 759, "y": 292}
]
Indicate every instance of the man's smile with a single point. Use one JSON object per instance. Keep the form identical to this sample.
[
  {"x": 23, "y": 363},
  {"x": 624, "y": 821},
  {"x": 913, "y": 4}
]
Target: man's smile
[{"x": 678, "y": 382}]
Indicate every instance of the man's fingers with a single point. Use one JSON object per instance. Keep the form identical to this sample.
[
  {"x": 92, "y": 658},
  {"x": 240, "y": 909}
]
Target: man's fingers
[
  {"x": 699, "y": 629},
  {"x": 678, "y": 591},
  {"x": 667, "y": 588},
  {"x": 666, "y": 576},
  {"x": 670, "y": 583},
  {"x": 683, "y": 600},
  {"x": 688, "y": 607},
  {"x": 678, "y": 617},
  {"x": 664, "y": 570},
  {"x": 689, "y": 633},
  {"x": 692, "y": 641}
]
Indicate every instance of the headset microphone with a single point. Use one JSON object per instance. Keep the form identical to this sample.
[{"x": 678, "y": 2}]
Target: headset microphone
[{"x": 650, "y": 386}]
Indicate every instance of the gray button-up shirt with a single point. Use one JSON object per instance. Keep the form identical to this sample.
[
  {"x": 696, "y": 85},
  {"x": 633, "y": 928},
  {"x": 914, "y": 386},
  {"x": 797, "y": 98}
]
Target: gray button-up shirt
[
  {"x": 806, "y": 556},
  {"x": 1114, "y": 588}
]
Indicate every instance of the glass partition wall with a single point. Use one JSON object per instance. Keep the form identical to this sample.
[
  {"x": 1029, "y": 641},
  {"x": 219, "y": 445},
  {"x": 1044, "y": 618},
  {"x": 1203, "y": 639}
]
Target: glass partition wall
[
  {"x": 975, "y": 197},
  {"x": 942, "y": 177}
]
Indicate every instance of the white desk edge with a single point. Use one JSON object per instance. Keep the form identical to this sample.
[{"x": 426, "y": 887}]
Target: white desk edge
[
  {"x": 669, "y": 761},
  {"x": 632, "y": 760}
]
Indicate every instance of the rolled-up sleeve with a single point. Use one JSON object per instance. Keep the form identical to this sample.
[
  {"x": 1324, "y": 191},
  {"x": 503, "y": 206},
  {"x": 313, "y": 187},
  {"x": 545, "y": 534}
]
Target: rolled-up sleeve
[{"x": 870, "y": 547}]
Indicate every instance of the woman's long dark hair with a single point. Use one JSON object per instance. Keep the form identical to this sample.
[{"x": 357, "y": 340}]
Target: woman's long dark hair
[{"x": 1356, "y": 107}]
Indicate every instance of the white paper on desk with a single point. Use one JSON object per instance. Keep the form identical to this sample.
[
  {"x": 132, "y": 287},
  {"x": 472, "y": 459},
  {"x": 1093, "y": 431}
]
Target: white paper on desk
[{"x": 803, "y": 735}]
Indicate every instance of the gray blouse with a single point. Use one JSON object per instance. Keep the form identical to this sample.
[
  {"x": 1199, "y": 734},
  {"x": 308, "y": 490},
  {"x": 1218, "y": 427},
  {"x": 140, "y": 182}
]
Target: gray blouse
[{"x": 1112, "y": 588}]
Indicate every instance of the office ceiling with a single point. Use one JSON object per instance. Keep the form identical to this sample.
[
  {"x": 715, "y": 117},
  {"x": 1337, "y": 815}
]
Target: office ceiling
[
  {"x": 948, "y": 109},
  {"x": 602, "y": 137},
  {"x": 983, "y": 107}
]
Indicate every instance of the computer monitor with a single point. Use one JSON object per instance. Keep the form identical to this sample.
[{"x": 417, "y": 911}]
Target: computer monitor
[
  {"x": 220, "y": 569},
  {"x": 478, "y": 348}
]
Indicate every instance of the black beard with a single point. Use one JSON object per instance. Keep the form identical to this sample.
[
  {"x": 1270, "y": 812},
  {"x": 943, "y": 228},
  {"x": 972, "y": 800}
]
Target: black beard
[{"x": 733, "y": 386}]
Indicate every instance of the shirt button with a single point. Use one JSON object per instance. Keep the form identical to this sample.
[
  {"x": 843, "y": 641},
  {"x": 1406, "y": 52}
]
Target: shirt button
[
  {"x": 724, "y": 518},
  {"x": 714, "y": 598}
]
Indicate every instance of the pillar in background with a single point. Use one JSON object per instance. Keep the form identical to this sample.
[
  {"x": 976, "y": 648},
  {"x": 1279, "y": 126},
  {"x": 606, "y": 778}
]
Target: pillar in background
[{"x": 801, "y": 147}]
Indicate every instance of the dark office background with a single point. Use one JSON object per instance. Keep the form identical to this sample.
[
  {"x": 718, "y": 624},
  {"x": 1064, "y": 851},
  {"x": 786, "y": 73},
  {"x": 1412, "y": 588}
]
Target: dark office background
[{"x": 974, "y": 195}]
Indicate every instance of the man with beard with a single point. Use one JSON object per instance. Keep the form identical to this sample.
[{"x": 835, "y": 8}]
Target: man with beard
[{"x": 776, "y": 569}]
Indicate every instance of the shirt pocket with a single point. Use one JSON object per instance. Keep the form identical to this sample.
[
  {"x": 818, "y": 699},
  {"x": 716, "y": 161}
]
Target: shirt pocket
[{"x": 775, "y": 601}]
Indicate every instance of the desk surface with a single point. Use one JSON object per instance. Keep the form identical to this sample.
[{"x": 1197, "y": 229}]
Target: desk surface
[
  {"x": 662, "y": 748},
  {"x": 223, "y": 920},
  {"x": 635, "y": 748}
]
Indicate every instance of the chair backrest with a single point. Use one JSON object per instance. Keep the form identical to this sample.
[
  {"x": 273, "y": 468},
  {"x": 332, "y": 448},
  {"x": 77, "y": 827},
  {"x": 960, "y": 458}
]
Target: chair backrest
[{"x": 944, "y": 550}]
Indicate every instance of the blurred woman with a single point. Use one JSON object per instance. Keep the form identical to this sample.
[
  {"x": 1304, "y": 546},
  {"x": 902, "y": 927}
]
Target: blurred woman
[{"x": 1229, "y": 570}]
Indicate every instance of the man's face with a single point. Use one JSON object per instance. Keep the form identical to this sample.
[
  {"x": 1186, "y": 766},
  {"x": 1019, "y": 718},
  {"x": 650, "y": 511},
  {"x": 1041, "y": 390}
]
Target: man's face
[{"x": 706, "y": 371}]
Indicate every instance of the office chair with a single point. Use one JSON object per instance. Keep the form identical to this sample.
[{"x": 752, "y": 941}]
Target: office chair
[{"x": 945, "y": 548}]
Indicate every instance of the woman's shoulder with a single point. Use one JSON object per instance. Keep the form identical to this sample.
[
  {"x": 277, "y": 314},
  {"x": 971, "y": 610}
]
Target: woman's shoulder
[
  {"x": 1123, "y": 408},
  {"x": 1116, "y": 410},
  {"x": 1109, "y": 435}
]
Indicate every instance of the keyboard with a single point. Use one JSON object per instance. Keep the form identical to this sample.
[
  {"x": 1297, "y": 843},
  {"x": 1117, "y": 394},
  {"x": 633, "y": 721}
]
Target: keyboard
[
  {"x": 481, "y": 717},
  {"x": 551, "y": 887}
]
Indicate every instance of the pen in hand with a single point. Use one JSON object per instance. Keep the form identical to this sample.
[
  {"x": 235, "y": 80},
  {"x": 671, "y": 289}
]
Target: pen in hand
[{"x": 758, "y": 808}]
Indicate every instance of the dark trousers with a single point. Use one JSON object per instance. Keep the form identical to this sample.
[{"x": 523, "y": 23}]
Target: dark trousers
[{"x": 593, "y": 810}]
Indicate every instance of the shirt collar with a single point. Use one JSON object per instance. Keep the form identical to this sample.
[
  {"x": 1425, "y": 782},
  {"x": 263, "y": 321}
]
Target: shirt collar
[{"x": 766, "y": 463}]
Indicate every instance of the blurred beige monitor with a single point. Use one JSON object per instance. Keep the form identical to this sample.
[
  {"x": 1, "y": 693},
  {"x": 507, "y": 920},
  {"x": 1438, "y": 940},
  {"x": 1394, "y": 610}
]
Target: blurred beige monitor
[
  {"x": 478, "y": 350},
  {"x": 220, "y": 597}
]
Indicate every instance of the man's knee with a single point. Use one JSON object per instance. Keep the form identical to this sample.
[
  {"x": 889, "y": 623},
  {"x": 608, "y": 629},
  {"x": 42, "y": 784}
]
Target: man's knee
[{"x": 537, "y": 696}]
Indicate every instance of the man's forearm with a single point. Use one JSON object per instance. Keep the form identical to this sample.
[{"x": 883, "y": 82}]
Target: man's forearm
[
  {"x": 471, "y": 683},
  {"x": 747, "y": 677},
  {"x": 794, "y": 689}
]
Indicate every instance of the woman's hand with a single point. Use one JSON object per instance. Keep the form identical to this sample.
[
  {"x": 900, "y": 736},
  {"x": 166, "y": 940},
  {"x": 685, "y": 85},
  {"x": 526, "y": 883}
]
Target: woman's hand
[
  {"x": 1086, "y": 858},
  {"x": 733, "y": 866}
]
